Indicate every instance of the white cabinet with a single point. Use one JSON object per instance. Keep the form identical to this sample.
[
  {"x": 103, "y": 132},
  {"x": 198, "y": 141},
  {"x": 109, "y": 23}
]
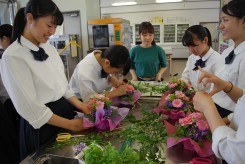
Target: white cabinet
[
  {"x": 173, "y": 33},
  {"x": 181, "y": 28},
  {"x": 169, "y": 33}
]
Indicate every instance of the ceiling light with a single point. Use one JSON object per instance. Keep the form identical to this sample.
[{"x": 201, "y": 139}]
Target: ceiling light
[
  {"x": 124, "y": 3},
  {"x": 167, "y": 1}
]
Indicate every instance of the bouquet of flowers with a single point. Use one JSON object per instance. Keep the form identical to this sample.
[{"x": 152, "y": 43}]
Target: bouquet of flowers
[
  {"x": 193, "y": 131},
  {"x": 174, "y": 105},
  {"x": 103, "y": 116},
  {"x": 179, "y": 85},
  {"x": 130, "y": 98}
]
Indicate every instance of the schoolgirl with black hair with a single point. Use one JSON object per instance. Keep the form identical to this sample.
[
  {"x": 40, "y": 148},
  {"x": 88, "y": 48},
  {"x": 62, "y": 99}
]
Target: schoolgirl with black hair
[
  {"x": 149, "y": 61},
  {"x": 231, "y": 66},
  {"x": 95, "y": 73},
  {"x": 33, "y": 74},
  {"x": 199, "y": 42}
]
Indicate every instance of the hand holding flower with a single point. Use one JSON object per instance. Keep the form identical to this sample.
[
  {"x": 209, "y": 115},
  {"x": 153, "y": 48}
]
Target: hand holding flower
[{"x": 202, "y": 101}]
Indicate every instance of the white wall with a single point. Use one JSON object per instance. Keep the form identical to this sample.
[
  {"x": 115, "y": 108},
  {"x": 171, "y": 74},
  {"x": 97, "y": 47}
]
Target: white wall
[
  {"x": 89, "y": 9},
  {"x": 189, "y": 11}
]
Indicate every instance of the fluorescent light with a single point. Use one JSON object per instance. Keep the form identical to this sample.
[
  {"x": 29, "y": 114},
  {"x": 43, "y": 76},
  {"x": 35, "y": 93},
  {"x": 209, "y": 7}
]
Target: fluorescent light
[
  {"x": 167, "y": 1},
  {"x": 124, "y": 3}
]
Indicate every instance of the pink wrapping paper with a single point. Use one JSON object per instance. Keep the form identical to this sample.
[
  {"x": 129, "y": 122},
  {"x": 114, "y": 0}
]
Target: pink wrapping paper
[
  {"x": 103, "y": 123},
  {"x": 118, "y": 100},
  {"x": 203, "y": 151},
  {"x": 173, "y": 115}
]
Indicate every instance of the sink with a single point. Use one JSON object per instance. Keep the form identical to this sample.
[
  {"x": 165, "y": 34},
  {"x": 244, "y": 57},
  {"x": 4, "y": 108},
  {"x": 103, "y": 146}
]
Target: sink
[{"x": 55, "y": 159}]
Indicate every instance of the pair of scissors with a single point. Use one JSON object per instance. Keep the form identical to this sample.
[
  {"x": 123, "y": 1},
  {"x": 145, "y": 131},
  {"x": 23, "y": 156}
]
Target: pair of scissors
[{"x": 65, "y": 136}]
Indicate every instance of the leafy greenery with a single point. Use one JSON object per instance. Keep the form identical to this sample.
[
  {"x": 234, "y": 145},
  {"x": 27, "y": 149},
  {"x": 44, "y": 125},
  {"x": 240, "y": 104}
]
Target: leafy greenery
[
  {"x": 109, "y": 155},
  {"x": 147, "y": 131}
]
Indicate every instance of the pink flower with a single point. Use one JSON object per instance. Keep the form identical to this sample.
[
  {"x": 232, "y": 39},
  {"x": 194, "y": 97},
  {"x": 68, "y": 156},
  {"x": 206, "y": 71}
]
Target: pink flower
[
  {"x": 99, "y": 105},
  {"x": 185, "y": 121},
  {"x": 196, "y": 115},
  {"x": 168, "y": 97},
  {"x": 202, "y": 124},
  {"x": 179, "y": 94},
  {"x": 129, "y": 87},
  {"x": 172, "y": 85},
  {"x": 177, "y": 103}
]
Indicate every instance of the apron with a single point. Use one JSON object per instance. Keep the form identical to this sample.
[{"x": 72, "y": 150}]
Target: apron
[{"x": 32, "y": 139}]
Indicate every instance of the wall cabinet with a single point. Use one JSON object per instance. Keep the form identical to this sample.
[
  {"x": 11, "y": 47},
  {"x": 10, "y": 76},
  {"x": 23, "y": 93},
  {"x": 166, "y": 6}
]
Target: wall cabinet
[
  {"x": 173, "y": 33},
  {"x": 164, "y": 33}
]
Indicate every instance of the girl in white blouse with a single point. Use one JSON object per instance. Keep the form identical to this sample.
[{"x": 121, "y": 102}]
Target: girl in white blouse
[
  {"x": 199, "y": 42},
  {"x": 228, "y": 141},
  {"x": 231, "y": 66},
  {"x": 33, "y": 74}
]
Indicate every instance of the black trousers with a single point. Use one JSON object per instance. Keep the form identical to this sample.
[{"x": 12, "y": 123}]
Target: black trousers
[
  {"x": 32, "y": 139},
  {"x": 222, "y": 111},
  {"x": 9, "y": 127}
]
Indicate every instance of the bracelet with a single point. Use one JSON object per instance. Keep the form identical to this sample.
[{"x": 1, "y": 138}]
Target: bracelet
[
  {"x": 158, "y": 74},
  {"x": 230, "y": 88}
]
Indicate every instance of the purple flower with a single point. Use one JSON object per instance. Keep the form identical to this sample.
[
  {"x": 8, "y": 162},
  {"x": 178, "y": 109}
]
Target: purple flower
[
  {"x": 80, "y": 147},
  {"x": 169, "y": 104}
]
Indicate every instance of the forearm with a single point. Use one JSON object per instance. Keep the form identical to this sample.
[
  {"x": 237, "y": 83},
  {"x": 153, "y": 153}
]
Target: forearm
[
  {"x": 111, "y": 94},
  {"x": 77, "y": 103},
  {"x": 58, "y": 121},
  {"x": 133, "y": 74},
  {"x": 161, "y": 71},
  {"x": 213, "y": 118},
  {"x": 232, "y": 91}
]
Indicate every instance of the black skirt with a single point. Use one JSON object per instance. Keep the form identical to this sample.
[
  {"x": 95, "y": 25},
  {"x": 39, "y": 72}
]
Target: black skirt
[
  {"x": 222, "y": 111},
  {"x": 9, "y": 127},
  {"x": 32, "y": 139}
]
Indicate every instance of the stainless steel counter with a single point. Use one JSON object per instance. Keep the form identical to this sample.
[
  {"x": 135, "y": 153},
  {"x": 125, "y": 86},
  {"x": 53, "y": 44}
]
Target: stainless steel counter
[{"x": 173, "y": 155}]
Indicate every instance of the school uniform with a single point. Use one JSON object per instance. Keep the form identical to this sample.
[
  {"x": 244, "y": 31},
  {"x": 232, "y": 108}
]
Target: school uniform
[
  {"x": 38, "y": 90},
  {"x": 229, "y": 142},
  {"x": 87, "y": 80},
  {"x": 211, "y": 58},
  {"x": 233, "y": 72}
]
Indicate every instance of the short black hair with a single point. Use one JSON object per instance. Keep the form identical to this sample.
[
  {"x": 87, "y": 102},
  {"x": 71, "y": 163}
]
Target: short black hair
[
  {"x": 147, "y": 27},
  {"x": 199, "y": 31},
  {"x": 118, "y": 56},
  {"x": 6, "y": 30}
]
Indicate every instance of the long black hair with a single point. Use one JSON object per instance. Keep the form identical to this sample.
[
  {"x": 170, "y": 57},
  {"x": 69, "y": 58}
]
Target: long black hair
[
  {"x": 199, "y": 31},
  {"x": 38, "y": 8},
  {"x": 235, "y": 8},
  {"x": 146, "y": 27},
  {"x": 118, "y": 56},
  {"x": 5, "y": 30}
]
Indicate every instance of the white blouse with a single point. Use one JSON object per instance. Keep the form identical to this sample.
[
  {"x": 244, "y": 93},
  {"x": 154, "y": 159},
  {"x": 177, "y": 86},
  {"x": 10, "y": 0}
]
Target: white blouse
[
  {"x": 211, "y": 57},
  {"x": 229, "y": 142},
  {"x": 86, "y": 80},
  {"x": 31, "y": 83},
  {"x": 234, "y": 72},
  {"x": 3, "y": 93}
]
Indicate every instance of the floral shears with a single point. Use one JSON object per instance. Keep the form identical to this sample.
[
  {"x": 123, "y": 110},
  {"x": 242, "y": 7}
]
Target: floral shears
[{"x": 65, "y": 136}]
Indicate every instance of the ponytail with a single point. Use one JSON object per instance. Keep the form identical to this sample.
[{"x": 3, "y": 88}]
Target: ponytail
[
  {"x": 209, "y": 36},
  {"x": 19, "y": 25}
]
